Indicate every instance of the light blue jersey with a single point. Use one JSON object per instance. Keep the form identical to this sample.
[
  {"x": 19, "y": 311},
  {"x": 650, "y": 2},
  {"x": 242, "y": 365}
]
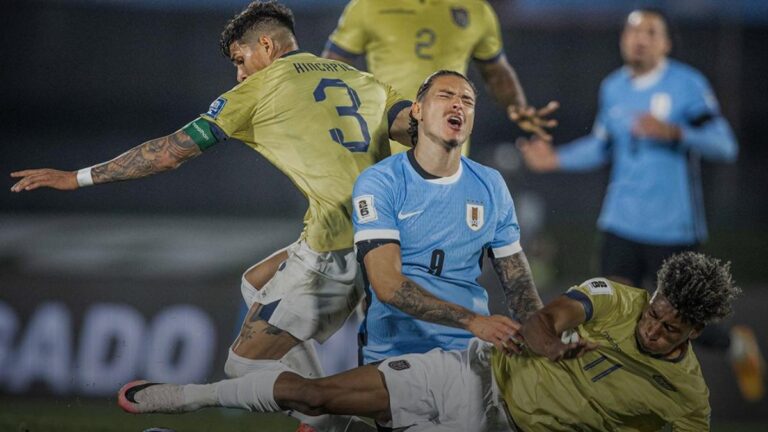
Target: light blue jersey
[
  {"x": 654, "y": 195},
  {"x": 443, "y": 226}
]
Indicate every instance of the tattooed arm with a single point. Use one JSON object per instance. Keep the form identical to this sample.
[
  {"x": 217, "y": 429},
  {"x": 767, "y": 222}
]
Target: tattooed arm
[
  {"x": 383, "y": 267},
  {"x": 517, "y": 282},
  {"x": 151, "y": 157}
]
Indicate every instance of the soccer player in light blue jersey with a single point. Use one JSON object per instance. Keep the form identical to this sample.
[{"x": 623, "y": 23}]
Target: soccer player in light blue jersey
[
  {"x": 657, "y": 118},
  {"x": 423, "y": 220}
]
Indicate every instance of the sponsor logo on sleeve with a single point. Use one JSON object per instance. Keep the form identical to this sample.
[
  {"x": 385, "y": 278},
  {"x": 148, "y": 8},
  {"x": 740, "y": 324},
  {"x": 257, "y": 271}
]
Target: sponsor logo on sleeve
[
  {"x": 364, "y": 208},
  {"x": 216, "y": 107},
  {"x": 599, "y": 287}
]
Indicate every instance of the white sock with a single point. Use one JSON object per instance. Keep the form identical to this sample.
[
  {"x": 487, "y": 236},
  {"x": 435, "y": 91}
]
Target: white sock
[
  {"x": 254, "y": 391},
  {"x": 199, "y": 395}
]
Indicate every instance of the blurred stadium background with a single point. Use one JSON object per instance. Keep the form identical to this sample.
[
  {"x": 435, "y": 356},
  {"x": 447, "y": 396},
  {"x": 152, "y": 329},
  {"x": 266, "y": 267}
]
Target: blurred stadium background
[{"x": 103, "y": 285}]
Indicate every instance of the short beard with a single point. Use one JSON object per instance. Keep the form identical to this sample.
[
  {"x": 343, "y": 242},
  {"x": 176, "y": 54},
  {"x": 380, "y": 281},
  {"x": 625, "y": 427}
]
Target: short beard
[{"x": 451, "y": 144}]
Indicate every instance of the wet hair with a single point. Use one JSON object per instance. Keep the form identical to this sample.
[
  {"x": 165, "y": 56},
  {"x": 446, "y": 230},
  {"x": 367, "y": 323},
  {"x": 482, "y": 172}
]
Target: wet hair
[
  {"x": 413, "y": 125},
  {"x": 258, "y": 15},
  {"x": 700, "y": 287}
]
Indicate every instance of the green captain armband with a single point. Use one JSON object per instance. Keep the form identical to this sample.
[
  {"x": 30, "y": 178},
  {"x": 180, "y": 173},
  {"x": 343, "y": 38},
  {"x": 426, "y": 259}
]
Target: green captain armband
[{"x": 204, "y": 133}]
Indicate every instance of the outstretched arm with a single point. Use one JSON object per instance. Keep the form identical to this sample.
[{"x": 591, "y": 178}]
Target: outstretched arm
[
  {"x": 154, "y": 156},
  {"x": 384, "y": 269},
  {"x": 517, "y": 282},
  {"x": 502, "y": 82}
]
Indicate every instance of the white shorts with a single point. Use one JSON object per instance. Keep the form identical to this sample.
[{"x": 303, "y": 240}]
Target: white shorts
[
  {"x": 445, "y": 391},
  {"x": 317, "y": 292}
]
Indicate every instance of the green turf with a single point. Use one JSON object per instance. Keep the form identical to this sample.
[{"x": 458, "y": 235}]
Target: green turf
[
  {"x": 26, "y": 415},
  {"x": 30, "y": 415}
]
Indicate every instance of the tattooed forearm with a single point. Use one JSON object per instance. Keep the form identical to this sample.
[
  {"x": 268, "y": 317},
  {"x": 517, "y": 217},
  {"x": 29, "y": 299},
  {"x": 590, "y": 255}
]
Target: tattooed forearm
[
  {"x": 420, "y": 303},
  {"x": 153, "y": 156},
  {"x": 517, "y": 281}
]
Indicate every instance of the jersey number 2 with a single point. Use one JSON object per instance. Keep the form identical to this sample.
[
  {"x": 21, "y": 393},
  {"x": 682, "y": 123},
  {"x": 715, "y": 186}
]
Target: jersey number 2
[{"x": 351, "y": 110}]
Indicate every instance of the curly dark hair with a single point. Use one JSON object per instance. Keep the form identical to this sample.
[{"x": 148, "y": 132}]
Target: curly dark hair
[
  {"x": 413, "y": 125},
  {"x": 700, "y": 287},
  {"x": 258, "y": 13}
]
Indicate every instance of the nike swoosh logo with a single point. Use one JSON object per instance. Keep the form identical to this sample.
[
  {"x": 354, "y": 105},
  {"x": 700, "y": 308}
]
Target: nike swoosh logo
[{"x": 402, "y": 215}]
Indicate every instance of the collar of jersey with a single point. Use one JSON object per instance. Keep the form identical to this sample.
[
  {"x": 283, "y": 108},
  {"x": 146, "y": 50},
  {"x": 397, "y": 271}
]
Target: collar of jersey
[
  {"x": 650, "y": 78},
  {"x": 294, "y": 52},
  {"x": 431, "y": 178}
]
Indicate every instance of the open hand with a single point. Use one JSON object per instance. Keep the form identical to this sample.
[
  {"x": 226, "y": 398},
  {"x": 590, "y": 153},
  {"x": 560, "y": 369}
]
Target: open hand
[
  {"x": 46, "y": 177},
  {"x": 501, "y": 331},
  {"x": 534, "y": 120}
]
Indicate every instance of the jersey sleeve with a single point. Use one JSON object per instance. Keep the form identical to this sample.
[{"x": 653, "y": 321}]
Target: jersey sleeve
[
  {"x": 350, "y": 36},
  {"x": 506, "y": 238},
  {"x": 395, "y": 104},
  {"x": 374, "y": 211},
  {"x": 235, "y": 112},
  {"x": 599, "y": 298},
  {"x": 705, "y": 129},
  {"x": 490, "y": 47}
]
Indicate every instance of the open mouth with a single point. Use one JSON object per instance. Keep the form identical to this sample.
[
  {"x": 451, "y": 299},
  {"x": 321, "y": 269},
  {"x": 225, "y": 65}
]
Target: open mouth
[{"x": 455, "y": 122}]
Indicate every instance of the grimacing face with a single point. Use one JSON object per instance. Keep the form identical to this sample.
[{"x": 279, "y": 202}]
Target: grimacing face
[
  {"x": 660, "y": 329},
  {"x": 447, "y": 111},
  {"x": 644, "y": 41},
  {"x": 248, "y": 58}
]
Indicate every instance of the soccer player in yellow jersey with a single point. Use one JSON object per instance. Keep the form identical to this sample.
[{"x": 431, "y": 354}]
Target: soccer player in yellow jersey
[
  {"x": 321, "y": 122},
  {"x": 404, "y": 41},
  {"x": 602, "y": 357}
]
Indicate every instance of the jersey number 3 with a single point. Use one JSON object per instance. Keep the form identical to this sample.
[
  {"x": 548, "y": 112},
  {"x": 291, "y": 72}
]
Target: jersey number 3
[{"x": 351, "y": 111}]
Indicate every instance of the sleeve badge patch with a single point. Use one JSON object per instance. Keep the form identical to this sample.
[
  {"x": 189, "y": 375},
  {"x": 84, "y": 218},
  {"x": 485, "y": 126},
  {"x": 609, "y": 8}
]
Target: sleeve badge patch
[
  {"x": 599, "y": 287},
  {"x": 399, "y": 365},
  {"x": 364, "y": 209},
  {"x": 216, "y": 107}
]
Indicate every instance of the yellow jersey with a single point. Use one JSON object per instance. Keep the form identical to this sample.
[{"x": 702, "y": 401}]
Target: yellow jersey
[
  {"x": 615, "y": 388},
  {"x": 404, "y": 41},
  {"x": 321, "y": 122}
]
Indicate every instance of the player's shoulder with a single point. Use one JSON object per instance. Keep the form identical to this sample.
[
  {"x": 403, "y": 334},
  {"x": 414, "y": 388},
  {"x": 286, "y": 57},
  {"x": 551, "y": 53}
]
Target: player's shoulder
[
  {"x": 486, "y": 174},
  {"x": 387, "y": 170},
  {"x": 604, "y": 286},
  {"x": 597, "y": 286},
  {"x": 686, "y": 75},
  {"x": 614, "y": 79}
]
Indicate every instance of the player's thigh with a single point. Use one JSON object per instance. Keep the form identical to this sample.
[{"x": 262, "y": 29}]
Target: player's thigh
[
  {"x": 309, "y": 297},
  {"x": 437, "y": 390},
  {"x": 260, "y": 340},
  {"x": 260, "y": 273},
  {"x": 314, "y": 293},
  {"x": 621, "y": 259}
]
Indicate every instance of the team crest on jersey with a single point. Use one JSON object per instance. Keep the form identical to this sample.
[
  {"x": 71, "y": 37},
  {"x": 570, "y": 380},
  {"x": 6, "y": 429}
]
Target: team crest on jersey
[
  {"x": 661, "y": 105},
  {"x": 364, "y": 208},
  {"x": 216, "y": 107},
  {"x": 460, "y": 16},
  {"x": 475, "y": 216}
]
